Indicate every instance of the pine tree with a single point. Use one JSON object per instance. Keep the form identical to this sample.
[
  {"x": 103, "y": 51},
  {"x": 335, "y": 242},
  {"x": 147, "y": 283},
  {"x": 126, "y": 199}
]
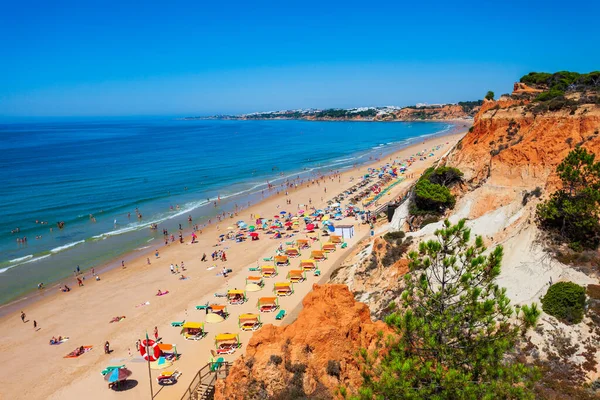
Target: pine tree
[{"x": 455, "y": 328}]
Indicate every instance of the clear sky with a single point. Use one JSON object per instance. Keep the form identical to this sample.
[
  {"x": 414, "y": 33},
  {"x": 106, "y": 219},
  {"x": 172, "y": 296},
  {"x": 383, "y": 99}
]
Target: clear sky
[{"x": 78, "y": 58}]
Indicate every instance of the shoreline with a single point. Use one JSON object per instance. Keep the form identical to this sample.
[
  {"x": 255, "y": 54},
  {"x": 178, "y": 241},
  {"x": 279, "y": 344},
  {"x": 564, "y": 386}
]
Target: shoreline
[
  {"x": 34, "y": 295},
  {"x": 83, "y": 313}
]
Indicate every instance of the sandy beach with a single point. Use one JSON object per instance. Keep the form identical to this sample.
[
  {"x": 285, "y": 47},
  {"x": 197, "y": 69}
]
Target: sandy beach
[{"x": 38, "y": 370}]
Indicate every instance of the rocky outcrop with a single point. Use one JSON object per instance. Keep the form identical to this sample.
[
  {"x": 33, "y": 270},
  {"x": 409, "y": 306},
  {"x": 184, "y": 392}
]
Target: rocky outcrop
[
  {"x": 312, "y": 357},
  {"x": 521, "y": 88},
  {"x": 374, "y": 274},
  {"x": 510, "y": 144}
]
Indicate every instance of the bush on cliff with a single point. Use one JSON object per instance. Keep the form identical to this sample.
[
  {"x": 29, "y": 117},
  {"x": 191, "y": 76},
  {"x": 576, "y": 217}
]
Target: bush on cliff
[
  {"x": 565, "y": 301},
  {"x": 572, "y": 212},
  {"x": 455, "y": 328},
  {"x": 432, "y": 195}
]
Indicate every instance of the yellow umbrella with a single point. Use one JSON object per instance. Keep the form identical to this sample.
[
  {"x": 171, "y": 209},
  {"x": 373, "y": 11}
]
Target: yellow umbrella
[
  {"x": 214, "y": 318},
  {"x": 325, "y": 218},
  {"x": 253, "y": 287}
]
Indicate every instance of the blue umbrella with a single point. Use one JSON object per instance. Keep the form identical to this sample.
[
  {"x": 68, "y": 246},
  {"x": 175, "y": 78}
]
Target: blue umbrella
[{"x": 116, "y": 375}]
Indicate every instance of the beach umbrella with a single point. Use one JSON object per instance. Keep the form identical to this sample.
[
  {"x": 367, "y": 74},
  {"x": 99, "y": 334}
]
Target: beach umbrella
[
  {"x": 310, "y": 227},
  {"x": 221, "y": 235},
  {"x": 160, "y": 363},
  {"x": 288, "y": 224},
  {"x": 253, "y": 287},
  {"x": 276, "y": 216},
  {"x": 213, "y": 318},
  {"x": 116, "y": 375},
  {"x": 325, "y": 218},
  {"x": 254, "y": 234},
  {"x": 282, "y": 212},
  {"x": 251, "y": 227}
]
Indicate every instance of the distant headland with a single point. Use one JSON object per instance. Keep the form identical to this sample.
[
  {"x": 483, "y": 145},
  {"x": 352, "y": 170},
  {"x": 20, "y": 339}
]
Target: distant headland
[{"x": 418, "y": 112}]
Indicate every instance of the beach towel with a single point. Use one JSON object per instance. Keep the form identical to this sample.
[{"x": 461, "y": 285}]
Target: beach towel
[
  {"x": 117, "y": 319},
  {"x": 74, "y": 354},
  {"x": 212, "y": 267},
  {"x": 64, "y": 339},
  {"x": 143, "y": 304},
  {"x": 163, "y": 293}
]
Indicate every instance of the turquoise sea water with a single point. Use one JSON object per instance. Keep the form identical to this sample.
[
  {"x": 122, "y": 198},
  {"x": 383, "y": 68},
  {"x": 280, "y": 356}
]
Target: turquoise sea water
[{"x": 65, "y": 171}]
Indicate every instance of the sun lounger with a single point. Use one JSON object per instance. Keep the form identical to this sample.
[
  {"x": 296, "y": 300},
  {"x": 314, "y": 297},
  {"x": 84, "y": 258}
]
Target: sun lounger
[
  {"x": 168, "y": 377},
  {"x": 177, "y": 324},
  {"x": 252, "y": 269},
  {"x": 280, "y": 315},
  {"x": 111, "y": 368},
  {"x": 344, "y": 245},
  {"x": 220, "y": 294},
  {"x": 228, "y": 348},
  {"x": 268, "y": 259},
  {"x": 317, "y": 272},
  {"x": 203, "y": 306}
]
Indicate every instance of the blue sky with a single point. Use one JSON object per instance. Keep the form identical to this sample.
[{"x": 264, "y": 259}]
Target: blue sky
[{"x": 78, "y": 58}]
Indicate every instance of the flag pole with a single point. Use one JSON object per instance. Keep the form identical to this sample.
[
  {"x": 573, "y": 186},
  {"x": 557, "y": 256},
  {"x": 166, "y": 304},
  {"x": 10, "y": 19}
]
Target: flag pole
[{"x": 149, "y": 373}]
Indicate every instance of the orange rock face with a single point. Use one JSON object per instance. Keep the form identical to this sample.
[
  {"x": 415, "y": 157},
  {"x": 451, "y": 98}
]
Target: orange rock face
[
  {"x": 313, "y": 356},
  {"x": 511, "y": 146}
]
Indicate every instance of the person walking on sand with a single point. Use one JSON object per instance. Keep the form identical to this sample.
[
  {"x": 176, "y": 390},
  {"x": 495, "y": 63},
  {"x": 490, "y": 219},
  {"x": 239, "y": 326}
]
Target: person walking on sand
[
  {"x": 148, "y": 260},
  {"x": 123, "y": 263},
  {"x": 156, "y": 333},
  {"x": 34, "y": 324},
  {"x": 23, "y": 316},
  {"x": 107, "y": 348},
  {"x": 137, "y": 345}
]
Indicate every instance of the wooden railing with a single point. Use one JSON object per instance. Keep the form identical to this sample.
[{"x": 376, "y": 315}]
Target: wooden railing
[{"x": 207, "y": 377}]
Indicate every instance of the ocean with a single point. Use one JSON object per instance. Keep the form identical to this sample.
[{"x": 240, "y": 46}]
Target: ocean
[{"x": 66, "y": 170}]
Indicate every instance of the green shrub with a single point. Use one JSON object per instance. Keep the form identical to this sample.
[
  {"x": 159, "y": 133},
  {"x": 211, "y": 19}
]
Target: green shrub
[
  {"x": 573, "y": 211},
  {"x": 393, "y": 236},
  {"x": 433, "y": 197},
  {"x": 489, "y": 95},
  {"x": 565, "y": 301}
]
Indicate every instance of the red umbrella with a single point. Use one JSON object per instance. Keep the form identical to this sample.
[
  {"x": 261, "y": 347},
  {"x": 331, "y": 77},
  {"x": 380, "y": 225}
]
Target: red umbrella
[
  {"x": 254, "y": 234},
  {"x": 276, "y": 216},
  {"x": 288, "y": 224},
  {"x": 310, "y": 227}
]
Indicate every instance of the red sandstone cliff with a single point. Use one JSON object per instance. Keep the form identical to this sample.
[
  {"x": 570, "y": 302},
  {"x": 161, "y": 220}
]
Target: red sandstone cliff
[
  {"x": 513, "y": 144},
  {"x": 313, "y": 357}
]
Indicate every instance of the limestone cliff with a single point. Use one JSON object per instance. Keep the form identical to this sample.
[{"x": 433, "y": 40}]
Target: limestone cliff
[{"x": 312, "y": 357}]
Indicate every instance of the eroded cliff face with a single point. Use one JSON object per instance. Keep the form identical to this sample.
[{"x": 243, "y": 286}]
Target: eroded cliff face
[
  {"x": 511, "y": 145},
  {"x": 312, "y": 357}
]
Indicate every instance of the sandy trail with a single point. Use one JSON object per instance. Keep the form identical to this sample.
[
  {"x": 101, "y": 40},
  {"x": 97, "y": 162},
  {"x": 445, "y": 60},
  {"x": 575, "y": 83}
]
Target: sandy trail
[{"x": 38, "y": 370}]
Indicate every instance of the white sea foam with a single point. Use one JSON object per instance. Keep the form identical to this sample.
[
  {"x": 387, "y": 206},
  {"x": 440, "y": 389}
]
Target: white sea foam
[
  {"x": 26, "y": 261},
  {"x": 143, "y": 248},
  {"x": 66, "y": 246},
  {"x": 16, "y": 260}
]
